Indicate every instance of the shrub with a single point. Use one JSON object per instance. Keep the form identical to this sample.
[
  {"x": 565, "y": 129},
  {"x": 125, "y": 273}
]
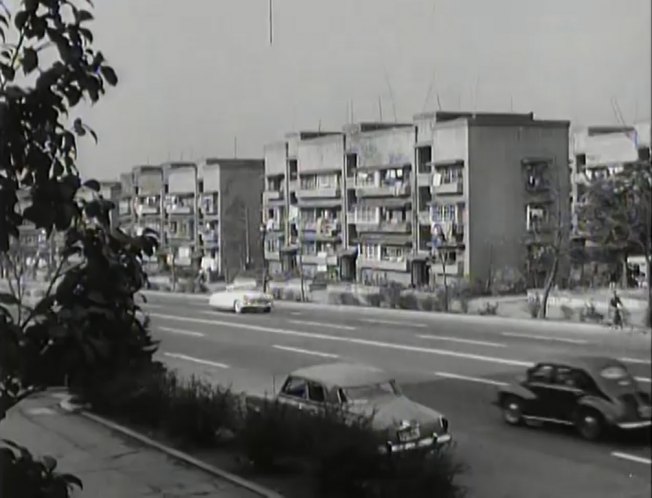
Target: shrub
[
  {"x": 374, "y": 299},
  {"x": 534, "y": 306},
  {"x": 489, "y": 309},
  {"x": 464, "y": 304},
  {"x": 408, "y": 301},
  {"x": 567, "y": 312},
  {"x": 23, "y": 476},
  {"x": 391, "y": 295}
]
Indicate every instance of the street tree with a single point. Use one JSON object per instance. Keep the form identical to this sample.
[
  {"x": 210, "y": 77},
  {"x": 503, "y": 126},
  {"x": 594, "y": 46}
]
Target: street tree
[
  {"x": 616, "y": 214},
  {"x": 87, "y": 325}
]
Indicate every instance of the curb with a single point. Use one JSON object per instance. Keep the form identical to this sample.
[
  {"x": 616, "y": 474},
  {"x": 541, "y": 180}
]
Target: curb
[
  {"x": 428, "y": 315},
  {"x": 71, "y": 407}
]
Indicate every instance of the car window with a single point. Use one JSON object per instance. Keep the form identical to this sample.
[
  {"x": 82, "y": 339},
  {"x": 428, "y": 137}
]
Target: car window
[
  {"x": 541, "y": 373},
  {"x": 566, "y": 376},
  {"x": 316, "y": 392},
  {"x": 365, "y": 393},
  {"x": 296, "y": 387}
]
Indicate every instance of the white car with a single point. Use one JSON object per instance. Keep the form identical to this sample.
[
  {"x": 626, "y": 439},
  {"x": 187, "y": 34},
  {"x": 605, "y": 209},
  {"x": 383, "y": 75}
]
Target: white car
[{"x": 240, "y": 298}]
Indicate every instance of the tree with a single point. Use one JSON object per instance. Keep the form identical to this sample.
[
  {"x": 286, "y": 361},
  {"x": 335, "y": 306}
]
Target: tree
[
  {"x": 88, "y": 324},
  {"x": 616, "y": 213}
]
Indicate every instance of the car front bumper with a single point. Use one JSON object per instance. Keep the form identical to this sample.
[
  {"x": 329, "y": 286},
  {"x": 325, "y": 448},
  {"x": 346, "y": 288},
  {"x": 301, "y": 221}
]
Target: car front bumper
[
  {"x": 432, "y": 442},
  {"x": 639, "y": 424}
]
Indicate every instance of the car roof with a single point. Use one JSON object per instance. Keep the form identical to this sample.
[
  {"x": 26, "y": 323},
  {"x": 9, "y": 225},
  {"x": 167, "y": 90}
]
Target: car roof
[
  {"x": 590, "y": 363},
  {"x": 343, "y": 374}
]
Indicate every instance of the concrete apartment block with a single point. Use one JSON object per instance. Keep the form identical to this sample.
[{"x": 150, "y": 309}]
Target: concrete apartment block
[{"x": 230, "y": 224}]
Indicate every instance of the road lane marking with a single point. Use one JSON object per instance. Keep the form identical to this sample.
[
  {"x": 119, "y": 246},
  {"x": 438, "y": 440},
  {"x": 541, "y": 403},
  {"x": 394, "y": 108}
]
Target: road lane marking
[
  {"x": 305, "y": 351},
  {"x": 631, "y": 458},
  {"x": 296, "y": 313},
  {"x": 636, "y": 360},
  {"x": 643, "y": 379},
  {"x": 471, "y": 379},
  {"x": 394, "y": 322},
  {"x": 463, "y": 341},
  {"x": 319, "y": 324},
  {"x": 181, "y": 331},
  {"x": 353, "y": 340},
  {"x": 192, "y": 359},
  {"x": 544, "y": 338}
]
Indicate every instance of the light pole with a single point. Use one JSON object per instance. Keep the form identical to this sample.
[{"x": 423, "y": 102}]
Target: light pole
[{"x": 263, "y": 233}]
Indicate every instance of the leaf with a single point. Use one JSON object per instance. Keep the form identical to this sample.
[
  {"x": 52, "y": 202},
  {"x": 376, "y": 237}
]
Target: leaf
[
  {"x": 8, "y": 299},
  {"x": 49, "y": 463},
  {"x": 93, "y": 185},
  {"x": 73, "y": 95},
  {"x": 109, "y": 75},
  {"x": 72, "y": 480},
  {"x": 78, "y": 126},
  {"x": 84, "y": 15},
  {"x": 8, "y": 72},
  {"x": 30, "y": 60},
  {"x": 21, "y": 19}
]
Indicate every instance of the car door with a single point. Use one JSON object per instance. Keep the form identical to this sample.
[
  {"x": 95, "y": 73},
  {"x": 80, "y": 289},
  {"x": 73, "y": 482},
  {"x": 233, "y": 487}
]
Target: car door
[
  {"x": 540, "y": 382},
  {"x": 294, "y": 392},
  {"x": 317, "y": 397},
  {"x": 567, "y": 391}
]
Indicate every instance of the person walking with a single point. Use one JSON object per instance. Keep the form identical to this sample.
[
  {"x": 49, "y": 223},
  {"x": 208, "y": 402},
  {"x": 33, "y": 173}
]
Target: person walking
[{"x": 615, "y": 307}]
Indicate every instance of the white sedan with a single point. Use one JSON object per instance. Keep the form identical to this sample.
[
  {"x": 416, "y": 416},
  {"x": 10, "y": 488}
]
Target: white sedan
[{"x": 240, "y": 298}]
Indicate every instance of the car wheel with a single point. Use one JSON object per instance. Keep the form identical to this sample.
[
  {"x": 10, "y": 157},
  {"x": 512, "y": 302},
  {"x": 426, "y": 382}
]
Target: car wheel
[
  {"x": 589, "y": 424},
  {"x": 512, "y": 410},
  {"x": 237, "y": 307},
  {"x": 267, "y": 310}
]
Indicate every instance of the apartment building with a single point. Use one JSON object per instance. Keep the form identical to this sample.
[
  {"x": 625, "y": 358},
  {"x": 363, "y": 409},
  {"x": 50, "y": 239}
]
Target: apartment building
[
  {"x": 126, "y": 212},
  {"x": 500, "y": 191},
  {"x": 282, "y": 214},
  {"x": 599, "y": 151},
  {"x": 230, "y": 223},
  {"x": 379, "y": 165}
]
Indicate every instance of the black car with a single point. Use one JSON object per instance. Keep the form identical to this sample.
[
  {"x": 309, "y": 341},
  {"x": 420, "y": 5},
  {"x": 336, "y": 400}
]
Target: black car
[{"x": 590, "y": 393}]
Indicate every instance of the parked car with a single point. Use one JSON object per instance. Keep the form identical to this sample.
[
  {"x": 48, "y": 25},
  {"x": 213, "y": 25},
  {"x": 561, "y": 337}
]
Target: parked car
[
  {"x": 591, "y": 393},
  {"x": 241, "y": 297},
  {"x": 363, "y": 391}
]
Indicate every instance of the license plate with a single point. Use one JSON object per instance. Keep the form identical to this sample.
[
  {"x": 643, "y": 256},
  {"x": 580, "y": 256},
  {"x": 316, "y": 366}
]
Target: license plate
[{"x": 409, "y": 434}]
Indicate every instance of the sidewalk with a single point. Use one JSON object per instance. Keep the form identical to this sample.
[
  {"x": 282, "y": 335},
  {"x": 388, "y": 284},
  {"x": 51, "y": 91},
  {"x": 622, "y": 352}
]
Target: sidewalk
[{"x": 109, "y": 465}]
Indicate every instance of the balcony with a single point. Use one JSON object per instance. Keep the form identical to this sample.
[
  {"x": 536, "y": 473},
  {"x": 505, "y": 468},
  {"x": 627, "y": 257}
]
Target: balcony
[
  {"x": 210, "y": 237},
  {"x": 382, "y": 264},
  {"x": 272, "y": 195},
  {"x": 179, "y": 209},
  {"x": 376, "y": 190},
  {"x": 319, "y": 259},
  {"x": 319, "y": 193},
  {"x": 386, "y": 226},
  {"x": 147, "y": 210},
  {"x": 274, "y": 225},
  {"x": 452, "y": 188},
  {"x": 272, "y": 255}
]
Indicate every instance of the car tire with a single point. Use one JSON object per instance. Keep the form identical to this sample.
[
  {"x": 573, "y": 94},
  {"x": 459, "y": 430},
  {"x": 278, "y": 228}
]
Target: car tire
[
  {"x": 237, "y": 307},
  {"x": 589, "y": 424},
  {"x": 267, "y": 310},
  {"x": 512, "y": 407}
]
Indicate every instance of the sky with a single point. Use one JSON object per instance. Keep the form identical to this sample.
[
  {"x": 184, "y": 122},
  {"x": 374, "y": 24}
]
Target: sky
[{"x": 198, "y": 78}]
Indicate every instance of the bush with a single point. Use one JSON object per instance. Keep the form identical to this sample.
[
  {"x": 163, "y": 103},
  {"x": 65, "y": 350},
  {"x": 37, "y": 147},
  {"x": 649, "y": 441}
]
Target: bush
[
  {"x": 391, "y": 295},
  {"x": 489, "y": 309},
  {"x": 567, "y": 312},
  {"x": 23, "y": 476},
  {"x": 374, "y": 299},
  {"x": 534, "y": 306}
]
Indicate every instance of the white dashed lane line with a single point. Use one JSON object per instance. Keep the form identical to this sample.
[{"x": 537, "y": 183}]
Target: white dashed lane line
[
  {"x": 192, "y": 359},
  {"x": 545, "y": 338},
  {"x": 305, "y": 351},
  {"x": 394, "y": 322},
  {"x": 478, "y": 380},
  {"x": 190, "y": 333},
  {"x": 320, "y": 324},
  {"x": 462, "y": 341},
  {"x": 631, "y": 458},
  {"x": 638, "y": 361}
]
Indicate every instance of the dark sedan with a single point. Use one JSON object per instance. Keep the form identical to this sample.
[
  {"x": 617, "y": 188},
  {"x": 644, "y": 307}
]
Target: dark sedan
[{"x": 590, "y": 393}]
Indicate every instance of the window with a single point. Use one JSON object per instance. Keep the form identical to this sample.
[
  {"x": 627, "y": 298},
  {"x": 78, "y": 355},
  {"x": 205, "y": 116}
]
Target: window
[
  {"x": 366, "y": 214},
  {"x": 393, "y": 253},
  {"x": 310, "y": 249},
  {"x": 541, "y": 373},
  {"x": 363, "y": 178},
  {"x": 566, "y": 377},
  {"x": 295, "y": 387},
  {"x": 362, "y": 394},
  {"x": 445, "y": 212},
  {"x": 369, "y": 251},
  {"x": 316, "y": 392},
  {"x": 394, "y": 215},
  {"x": 536, "y": 217}
]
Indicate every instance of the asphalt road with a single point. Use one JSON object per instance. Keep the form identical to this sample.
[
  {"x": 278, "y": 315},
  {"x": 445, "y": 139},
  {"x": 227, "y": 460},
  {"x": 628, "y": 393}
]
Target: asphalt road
[{"x": 449, "y": 363}]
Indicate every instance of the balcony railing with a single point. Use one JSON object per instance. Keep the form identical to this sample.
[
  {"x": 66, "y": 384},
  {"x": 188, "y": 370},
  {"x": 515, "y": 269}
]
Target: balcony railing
[
  {"x": 147, "y": 209},
  {"x": 452, "y": 188},
  {"x": 380, "y": 190},
  {"x": 386, "y": 226},
  {"x": 382, "y": 264},
  {"x": 179, "y": 209},
  {"x": 210, "y": 236},
  {"x": 318, "y": 192},
  {"x": 319, "y": 259},
  {"x": 272, "y": 195}
]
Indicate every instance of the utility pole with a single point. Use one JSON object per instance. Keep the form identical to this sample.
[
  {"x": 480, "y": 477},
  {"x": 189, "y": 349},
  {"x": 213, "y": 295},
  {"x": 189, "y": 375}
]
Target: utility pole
[{"x": 247, "y": 248}]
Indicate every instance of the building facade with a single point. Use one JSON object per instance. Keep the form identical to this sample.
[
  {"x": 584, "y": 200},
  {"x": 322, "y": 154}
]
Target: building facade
[{"x": 460, "y": 194}]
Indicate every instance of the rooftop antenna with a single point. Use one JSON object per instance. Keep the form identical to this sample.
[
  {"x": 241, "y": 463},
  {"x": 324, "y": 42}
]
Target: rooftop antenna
[
  {"x": 380, "y": 109},
  {"x": 391, "y": 94},
  {"x": 438, "y": 102},
  {"x": 352, "y": 113},
  {"x": 319, "y": 127},
  {"x": 271, "y": 24}
]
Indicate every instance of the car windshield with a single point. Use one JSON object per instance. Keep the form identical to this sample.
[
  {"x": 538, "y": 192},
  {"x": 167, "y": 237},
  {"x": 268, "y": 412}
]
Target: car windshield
[
  {"x": 362, "y": 394},
  {"x": 616, "y": 373}
]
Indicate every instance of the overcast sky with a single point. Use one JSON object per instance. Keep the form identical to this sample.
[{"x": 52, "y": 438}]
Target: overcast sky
[{"x": 194, "y": 74}]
